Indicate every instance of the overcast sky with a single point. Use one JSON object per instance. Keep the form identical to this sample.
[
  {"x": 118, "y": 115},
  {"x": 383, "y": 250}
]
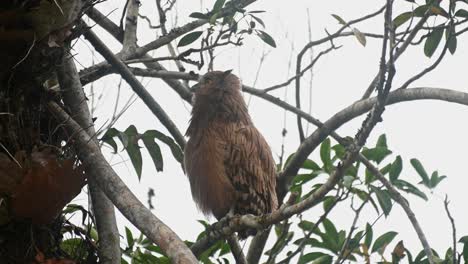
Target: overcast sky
[{"x": 432, "y": 131}]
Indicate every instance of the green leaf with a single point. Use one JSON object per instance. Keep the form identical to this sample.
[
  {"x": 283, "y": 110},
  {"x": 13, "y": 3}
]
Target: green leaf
[
  {"x": 369, "y": 234},
  {"x": 386, "y": 169},
  {"x": 451, "y": 38},
  {"x": 369, "y": 176},
  {"x": 313, "y": 257},
  {"x": 330, "y": 237},
  {"x": 328, "y": 202},
  {"x": 266, "y": 38},
  {"x": 382, "y": 141},
  {"x": 421, "y": 171},
  {"x": 409, "y": 188},
  {"x": 306, "y": 225},
  {"x": 340, "y": 151},
  {"x": 310, "y": 165},
  {"x": 421, "y": 10},
  {"x": 340, "y": 20},
  {"x": 396, "y": 169},
  {"x": 376, "y": 154},
  {"x": 330, "y": 228},
  {"x": 432, "y": 41},
  {"x": 129, "y": 235},
  {"x": 304, "y": 178},
  {"x": 464, "y": 240},
  {"x": 465, "y": 252},
  {"x": 75, "y": 247},
  {"x": 360, "y": 36},
  {"x": 109, "y": 138},
  {"x": 133, "y": 150},
  {"x": 258, "y": 20},
  {"x": 218, "y": 5},
  {"x": 435, "y": 179},
  {"x": 154, "y": 151},
  {"x": 325, "y": 155},
  {"x": 189, "y": 38},
  {"x": 123, "y": 138},
  {"x": 402, "y": 18},
  {"x": 175, "y": 148},
  {"x": 384, "y": 199},
  {"x": 213, "y": 18},
  {"x": 382, "y": 242},
  {"x": 461, "y": 13},
  {"x": 224, "y": 249},
  {"x": 198, "y": 15}
]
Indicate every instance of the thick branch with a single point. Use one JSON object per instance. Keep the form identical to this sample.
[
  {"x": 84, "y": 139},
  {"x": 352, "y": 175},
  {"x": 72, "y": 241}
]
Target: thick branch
[
  {"x": 127, "y": 203},
  {"x": 75, "y": 99}
]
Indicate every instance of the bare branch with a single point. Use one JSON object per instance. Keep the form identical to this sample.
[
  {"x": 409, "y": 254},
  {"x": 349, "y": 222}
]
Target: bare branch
[
  {"x": 431, "y": 67},
  {"x": 75, "y": 99},
  {"x": 105, "y": 23},
  {"x": 344, "y": 249},
  {"x": 131, "y": 24},
  {"x": 116, "y": 190},
  {"x": 454, "y": 231},
  {"x": 399, "y": 52},
  {"x": 306, "y": 48},
  {"x": 236, "y": 249},
  {"x": 301, "y": 72}
]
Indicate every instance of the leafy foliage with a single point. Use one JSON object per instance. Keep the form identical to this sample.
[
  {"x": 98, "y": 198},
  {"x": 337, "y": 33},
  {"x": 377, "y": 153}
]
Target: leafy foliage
[{"x": 130, "y": 138}]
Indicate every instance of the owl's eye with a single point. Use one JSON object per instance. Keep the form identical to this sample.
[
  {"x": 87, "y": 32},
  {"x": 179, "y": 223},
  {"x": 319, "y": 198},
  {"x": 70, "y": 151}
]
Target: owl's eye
[{"x": 208, "y": 80}]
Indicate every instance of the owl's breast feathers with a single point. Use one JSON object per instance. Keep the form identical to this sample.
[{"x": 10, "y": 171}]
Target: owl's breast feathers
[{"x": 230, "y": 165}]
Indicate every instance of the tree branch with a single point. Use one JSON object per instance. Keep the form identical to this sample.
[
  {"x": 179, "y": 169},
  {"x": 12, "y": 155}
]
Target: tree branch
[
  {"x": 137, "y": 87},
  {"x": 127, "y": 203},
  {"x": 75, "y": 99},
  {"x": 403, "y": 203},
  {"x": 131, "y": 24},
  {"x": 454, "y": 231}
]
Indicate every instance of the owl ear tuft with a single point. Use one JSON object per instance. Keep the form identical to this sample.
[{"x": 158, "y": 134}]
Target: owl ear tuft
[{"x": 226, "y": 73}]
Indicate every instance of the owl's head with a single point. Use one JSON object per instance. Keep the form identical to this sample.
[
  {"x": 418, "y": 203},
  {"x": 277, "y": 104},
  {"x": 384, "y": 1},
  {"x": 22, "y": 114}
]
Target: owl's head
[{"x": 218, "y": 81}]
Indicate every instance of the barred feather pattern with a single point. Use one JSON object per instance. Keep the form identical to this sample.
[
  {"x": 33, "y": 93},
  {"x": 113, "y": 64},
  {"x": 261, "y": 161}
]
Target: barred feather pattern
[{"x": 228, "y": 162}]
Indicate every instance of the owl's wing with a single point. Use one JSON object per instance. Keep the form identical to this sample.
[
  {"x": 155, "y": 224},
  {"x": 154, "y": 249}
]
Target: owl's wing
[{"x": 250, "y": 167}]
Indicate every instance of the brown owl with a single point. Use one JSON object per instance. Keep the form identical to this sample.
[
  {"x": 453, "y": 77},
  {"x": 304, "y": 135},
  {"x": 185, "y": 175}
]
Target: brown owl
[{"x": 227, "y": 160}]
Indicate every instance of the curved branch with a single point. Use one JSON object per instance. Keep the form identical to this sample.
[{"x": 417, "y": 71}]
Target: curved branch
[
  {"x": 350, "y": 112},
  {"x": 116, "y": 190}
]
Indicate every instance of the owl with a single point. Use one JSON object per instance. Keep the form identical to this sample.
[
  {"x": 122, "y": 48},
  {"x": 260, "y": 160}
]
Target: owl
[{"x": 228, "y": 162}]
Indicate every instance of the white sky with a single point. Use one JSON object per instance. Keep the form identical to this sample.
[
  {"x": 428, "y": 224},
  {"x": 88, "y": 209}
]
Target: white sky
[{"x": 433, "y": 132}]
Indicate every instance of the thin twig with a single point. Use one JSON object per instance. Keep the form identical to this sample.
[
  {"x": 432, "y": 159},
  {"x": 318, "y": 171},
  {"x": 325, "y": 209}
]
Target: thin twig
[
  {"x": 357, "y": 212},
  {"x": 454, "y": 231}
]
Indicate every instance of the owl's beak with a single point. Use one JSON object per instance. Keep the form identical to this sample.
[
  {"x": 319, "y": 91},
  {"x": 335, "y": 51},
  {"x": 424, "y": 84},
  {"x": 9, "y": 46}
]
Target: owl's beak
[{"x": 195, "y": 87}]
